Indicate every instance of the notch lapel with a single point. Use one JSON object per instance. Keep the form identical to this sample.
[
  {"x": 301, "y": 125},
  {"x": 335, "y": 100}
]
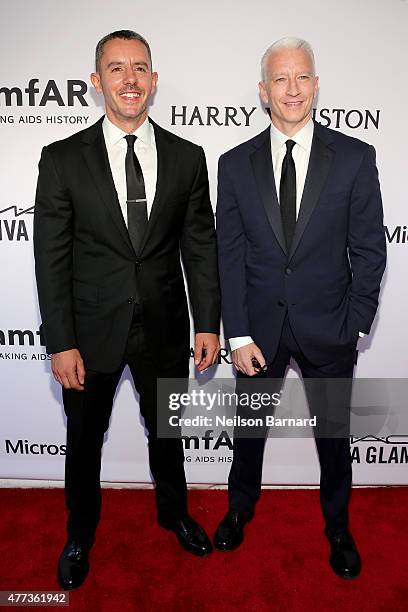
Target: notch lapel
[
  {"x": 96, "y": 157},
  {"x": 166, "y": 161},
  {"x": 262, "y": 167},
  {"x": 321, "y": 157}
]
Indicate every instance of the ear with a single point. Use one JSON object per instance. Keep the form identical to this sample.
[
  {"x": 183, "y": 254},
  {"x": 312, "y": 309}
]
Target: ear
[
  {"x": 262, "y": 92},
  {"x": 96, "y": 81},
  {"x": 316, "y": 86},
  {"x": 155, "y": 78}
]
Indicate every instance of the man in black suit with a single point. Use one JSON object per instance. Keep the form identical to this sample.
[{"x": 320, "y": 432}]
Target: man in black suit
[
  {"x": 116, "y": 205},
  {"x": 301, "y": 257}
]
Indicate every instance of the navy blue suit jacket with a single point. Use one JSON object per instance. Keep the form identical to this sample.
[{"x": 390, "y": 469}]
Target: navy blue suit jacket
[{"x": 329, "y": 281}]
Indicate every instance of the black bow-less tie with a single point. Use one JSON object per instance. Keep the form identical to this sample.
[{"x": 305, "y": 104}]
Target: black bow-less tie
[
  {"x": 287, "y": 194},
  {"x": 136, "y": 196}
]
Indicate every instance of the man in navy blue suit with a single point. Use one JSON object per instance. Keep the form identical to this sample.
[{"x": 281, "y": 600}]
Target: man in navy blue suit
[{"x": 301, "y": 257}]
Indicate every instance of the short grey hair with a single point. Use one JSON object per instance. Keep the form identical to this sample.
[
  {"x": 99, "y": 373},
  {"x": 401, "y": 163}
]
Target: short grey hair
[
  {"x": 289, "y": 42},
  {"x": 124, "y": 35}
]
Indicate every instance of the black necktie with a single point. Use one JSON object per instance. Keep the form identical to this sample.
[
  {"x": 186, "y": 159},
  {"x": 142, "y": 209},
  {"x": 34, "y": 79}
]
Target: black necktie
[
  {"x": 287, "y": 194},
  {"x": 136, "y": 196}
]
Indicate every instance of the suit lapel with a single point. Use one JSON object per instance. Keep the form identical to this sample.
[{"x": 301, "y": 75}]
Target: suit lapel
[
  {"x": 321, "y": 157},
  {"x": 261, "y": 160},
  {"x": 166, "y": 161},
  {"x": 96, "y": 157}
]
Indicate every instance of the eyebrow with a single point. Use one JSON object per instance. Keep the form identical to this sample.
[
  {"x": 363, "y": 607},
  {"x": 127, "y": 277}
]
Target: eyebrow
[
  {"x": 279, "y": 74},
  {"x": 122, "y": 63}
]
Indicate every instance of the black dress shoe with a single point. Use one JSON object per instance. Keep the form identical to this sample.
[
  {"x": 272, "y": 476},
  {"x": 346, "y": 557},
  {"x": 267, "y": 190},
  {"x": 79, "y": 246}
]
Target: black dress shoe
[
  {"x": 191, "y": 536},
  {"x": 73, "y": 566},
  {"x": 230, "y": 532},
  {"x": 345, "y": 559}
]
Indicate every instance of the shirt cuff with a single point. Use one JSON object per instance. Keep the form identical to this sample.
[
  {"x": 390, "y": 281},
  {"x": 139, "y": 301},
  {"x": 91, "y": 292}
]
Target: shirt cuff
[
  {"x": 239, "y": 342},
  {"x": 361, "y": 335}
]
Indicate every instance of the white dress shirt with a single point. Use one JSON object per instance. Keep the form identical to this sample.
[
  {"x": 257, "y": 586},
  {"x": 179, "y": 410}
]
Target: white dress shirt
[
  {"x": 300, "y": 153},
  {"x": 146, "y": 153}
]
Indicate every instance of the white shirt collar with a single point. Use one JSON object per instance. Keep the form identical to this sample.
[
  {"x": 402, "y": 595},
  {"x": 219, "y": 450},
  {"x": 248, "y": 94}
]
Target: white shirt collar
[
  {"x": 303, "y": 137},
  {"x": 114, "y": 135}
]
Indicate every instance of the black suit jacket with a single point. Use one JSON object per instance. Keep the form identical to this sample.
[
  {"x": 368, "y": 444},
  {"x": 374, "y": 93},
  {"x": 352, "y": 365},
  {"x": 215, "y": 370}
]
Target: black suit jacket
[
  {"x": 88, "y": 274},
  {"x": 329, "y": 281}
]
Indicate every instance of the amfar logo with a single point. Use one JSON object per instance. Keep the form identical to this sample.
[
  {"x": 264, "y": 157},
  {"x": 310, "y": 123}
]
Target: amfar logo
[
  {"x": 207, "y": 441},
  {"x": 21, "y": 337},
  {"x": 342, "y": 117},
  {"x": 14, "y": 229},
  {"x": 211, "y": 115},
  {"x": 24, "y": 447},
  {"x": 396, "y": 235},
  {"x": 387, "y": 450},
  {"x": 73, "y": 91}
]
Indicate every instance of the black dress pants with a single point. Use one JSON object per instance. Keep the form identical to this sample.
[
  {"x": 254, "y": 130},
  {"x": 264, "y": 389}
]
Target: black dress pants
[
  {"x": 88, "y": 414},
  {"x": 245, "y": 478}
]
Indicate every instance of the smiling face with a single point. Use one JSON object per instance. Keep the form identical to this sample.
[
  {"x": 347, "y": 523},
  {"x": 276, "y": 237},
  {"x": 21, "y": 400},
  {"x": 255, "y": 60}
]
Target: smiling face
[
  {"x": 289, "y": 89},
  {"x": 126, "y": 81}
]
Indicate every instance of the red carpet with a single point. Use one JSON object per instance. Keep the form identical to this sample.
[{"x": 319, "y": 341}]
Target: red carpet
[{"x": 282, "y": 565}]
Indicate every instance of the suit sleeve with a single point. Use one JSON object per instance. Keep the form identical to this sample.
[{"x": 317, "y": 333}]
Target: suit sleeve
[
  {"x": 198, "y": 247},
  {"x": 231, "y": 256},
  {"x": 53, "y": 218},
  {"x": 366, "y": 244}
]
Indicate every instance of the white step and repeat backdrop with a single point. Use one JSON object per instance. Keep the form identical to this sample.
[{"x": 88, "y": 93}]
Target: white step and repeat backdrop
[{"x": 207, "y": 54}]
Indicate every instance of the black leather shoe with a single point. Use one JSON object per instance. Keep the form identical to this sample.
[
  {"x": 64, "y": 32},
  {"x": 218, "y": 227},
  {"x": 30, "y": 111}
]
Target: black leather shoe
[
  {"x": 191, "y": 536},
  {"x": 345, "y": 559},
  {"x": 73, "y": 566},
  {"x": 230, "y": 532}
]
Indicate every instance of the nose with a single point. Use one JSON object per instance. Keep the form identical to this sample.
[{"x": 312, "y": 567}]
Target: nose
[
  {"x": 293, "y": 87},
  {"x": 130, "y": 75}
]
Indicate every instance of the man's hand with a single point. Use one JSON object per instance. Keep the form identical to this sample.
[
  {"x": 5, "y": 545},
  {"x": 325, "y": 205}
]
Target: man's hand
[
  {"x": 207, "y": 347},
  {"x": 68, "y": 369},
  {"x": 242, "y": 359}
]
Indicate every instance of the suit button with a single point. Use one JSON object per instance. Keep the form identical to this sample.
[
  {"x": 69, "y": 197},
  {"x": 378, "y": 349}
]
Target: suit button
[
  {"x": 131, "y": 300},
  {"x": 288, "y": 271},
  {"x": 281, "y": 303},
  {"x": 138, "y": 263}
]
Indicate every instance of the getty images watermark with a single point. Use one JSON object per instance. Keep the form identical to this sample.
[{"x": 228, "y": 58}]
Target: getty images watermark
[
  {"x": 220, "y": 400},
  {"x": 293, "y": 408}
]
